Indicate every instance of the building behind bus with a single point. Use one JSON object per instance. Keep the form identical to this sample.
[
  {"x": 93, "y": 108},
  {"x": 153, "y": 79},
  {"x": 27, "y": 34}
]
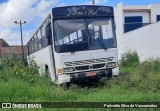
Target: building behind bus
[{"x": 14, "y": 51}]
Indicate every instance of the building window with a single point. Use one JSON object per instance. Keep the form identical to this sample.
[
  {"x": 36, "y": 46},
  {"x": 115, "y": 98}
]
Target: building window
[
  {"x": 158, "y": 18},
  {"x": 133, "y": 19},
  {"x": 132, "y": 23}
]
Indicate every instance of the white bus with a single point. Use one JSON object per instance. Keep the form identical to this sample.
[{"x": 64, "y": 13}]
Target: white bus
[{"x": 75, "y": 43}]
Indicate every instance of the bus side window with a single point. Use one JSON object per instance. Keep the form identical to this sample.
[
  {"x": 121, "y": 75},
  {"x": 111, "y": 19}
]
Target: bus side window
[
  {"x": 48, "y": 33},
  {"x": 39, "y": 44},
  {"x": 44, "y": 38}
]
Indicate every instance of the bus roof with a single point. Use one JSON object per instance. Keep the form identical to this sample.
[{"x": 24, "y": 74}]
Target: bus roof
[{"x": 82, "y": 11}]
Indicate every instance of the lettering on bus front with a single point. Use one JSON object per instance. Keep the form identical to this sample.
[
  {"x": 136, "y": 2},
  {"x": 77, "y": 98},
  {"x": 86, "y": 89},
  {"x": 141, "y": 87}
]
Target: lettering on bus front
[
  {"x": 82, "y": 11},
  {"x": 89, "y": 11}
]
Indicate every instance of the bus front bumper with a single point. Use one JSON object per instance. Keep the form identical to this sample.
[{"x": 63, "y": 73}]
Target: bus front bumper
[
  {"x": 64, "y": 78},
  {"x": 90, "y": 75}
]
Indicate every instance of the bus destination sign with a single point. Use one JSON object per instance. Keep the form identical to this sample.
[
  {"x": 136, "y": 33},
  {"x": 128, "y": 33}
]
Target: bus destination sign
[{"x": 80, "y": 11}]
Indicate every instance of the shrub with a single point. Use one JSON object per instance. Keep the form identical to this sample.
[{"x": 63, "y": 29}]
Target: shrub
[
  {"x": 105, "y": 81},
  {"x": 151, "y": 65},
  {"x": 145, "y": 79},
  {"x": 130, "y": 59},
  {"x": 14, "y": 68}
]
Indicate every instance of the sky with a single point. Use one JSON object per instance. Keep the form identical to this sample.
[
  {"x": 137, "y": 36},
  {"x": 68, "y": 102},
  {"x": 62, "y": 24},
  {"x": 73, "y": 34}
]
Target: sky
[{"x": 34, "y": 11}]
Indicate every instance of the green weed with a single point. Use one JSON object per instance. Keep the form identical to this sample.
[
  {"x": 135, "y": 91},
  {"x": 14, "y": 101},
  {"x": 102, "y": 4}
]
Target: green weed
[
  {"x": 130, "y": 59},
  {"x": 136, "y": 83}
]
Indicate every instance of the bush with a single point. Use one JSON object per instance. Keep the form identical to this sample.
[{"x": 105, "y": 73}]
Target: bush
[
  {"x": 151, "y": 65},
  {"x": 130, "y": 59},
  {"x": 14, "y": 68},
  {"x": 145, "y": 79}
]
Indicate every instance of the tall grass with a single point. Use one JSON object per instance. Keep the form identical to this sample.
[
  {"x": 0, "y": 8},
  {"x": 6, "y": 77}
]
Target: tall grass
[
  {"x": 130, "y": 59},
  {"x": 22, "y": 84}
]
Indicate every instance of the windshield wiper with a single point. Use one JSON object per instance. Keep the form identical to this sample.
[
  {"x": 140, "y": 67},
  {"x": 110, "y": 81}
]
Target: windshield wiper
[{"x": 102, "y": 43}]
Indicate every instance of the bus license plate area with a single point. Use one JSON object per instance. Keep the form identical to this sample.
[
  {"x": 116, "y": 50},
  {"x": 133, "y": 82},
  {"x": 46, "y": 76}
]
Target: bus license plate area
[{"x": 90, "y": 74}]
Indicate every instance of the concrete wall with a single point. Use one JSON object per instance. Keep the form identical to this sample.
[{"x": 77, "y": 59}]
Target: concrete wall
[
  {"x": 13, "y": 51},
  {"x": 155, "y": 10},
  {"x": 118, "y": 12},
  {"x": 145, "y": 40}
]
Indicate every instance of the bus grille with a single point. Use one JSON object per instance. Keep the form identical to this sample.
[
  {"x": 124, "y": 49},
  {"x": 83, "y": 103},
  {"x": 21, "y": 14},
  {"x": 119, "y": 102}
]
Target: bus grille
[
  {"x": 87, "y": 67},
  {"x": 79, "y": 68},
  {"x": 88, "y": 62},
  {"x": 96, "y": 66}
]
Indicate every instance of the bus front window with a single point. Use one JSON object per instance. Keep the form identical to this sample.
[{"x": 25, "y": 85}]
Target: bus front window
[
  {"x": 84, "y": 34},
  {"x": 101, "y": 33},
  {"x": 70, "y": 35}
]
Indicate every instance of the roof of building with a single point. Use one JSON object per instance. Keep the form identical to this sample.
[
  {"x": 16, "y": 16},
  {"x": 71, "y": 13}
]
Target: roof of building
[{"x": 6, "y": 44}]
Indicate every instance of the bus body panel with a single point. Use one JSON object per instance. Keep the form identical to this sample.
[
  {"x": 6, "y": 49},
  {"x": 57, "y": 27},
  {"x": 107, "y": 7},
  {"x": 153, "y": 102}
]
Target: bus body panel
[
  {"x": 88, "y": 55},
  {"x": 81, "y": 56},
  {"x": 78, "y": 59},
  {"x": 42, "y": 58}
]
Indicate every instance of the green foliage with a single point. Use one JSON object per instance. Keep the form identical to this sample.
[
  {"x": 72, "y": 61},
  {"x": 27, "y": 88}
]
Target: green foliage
[
  {"x": 151, "y": 65},
  {"x": 130, "y": 59},
  {"x": 139, "y": 83},
  {"x": 143, "y": 78},
  {"x": 16, "y": 69}
]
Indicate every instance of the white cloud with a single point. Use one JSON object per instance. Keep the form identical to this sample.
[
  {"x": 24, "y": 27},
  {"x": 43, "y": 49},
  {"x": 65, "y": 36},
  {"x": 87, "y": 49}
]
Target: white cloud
[
  {"x": 43, "y": 5},
  {"x": 9, "y": 36},
  {"x": 15, "y": 10},
  {"x": 22, "y": 9},
  {"x": 32, "y": 11}
]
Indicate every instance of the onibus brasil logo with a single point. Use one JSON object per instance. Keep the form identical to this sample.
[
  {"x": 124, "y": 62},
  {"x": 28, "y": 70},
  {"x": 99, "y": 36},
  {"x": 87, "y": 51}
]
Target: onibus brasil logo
[{"x": 19, "y": 105}]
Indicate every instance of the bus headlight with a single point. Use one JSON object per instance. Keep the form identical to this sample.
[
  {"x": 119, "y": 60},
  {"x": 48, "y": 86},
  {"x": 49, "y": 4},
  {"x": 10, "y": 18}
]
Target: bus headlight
[
  {"x": 59, "y": 71},
  {"x": 112, "y": 64},
  {"x": 68, "y": 69}
]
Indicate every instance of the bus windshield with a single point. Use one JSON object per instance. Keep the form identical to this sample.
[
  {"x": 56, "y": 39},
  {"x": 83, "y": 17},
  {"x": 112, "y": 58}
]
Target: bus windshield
[{"x": 84, "y": 34}]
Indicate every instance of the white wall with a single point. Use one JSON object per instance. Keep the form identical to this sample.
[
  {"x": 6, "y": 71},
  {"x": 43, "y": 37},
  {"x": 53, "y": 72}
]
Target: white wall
[
  {"x": 118, "y": 12},
  {"x": 145, "y": 40},
  {"x": 155, "y": 10}
]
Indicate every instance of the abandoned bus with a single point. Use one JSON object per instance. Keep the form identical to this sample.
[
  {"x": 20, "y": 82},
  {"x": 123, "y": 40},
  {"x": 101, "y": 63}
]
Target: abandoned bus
[{"x": 76, "y": 42}]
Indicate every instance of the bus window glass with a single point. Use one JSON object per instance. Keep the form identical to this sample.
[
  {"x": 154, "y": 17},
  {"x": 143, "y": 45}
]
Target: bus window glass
[
  {"x": 69, "y": 31},
  {"x": 32, "y": 48},
  {"x": 101, "y": 34},
  {"x": 39, "y": 34},
  {"x": 35, "y": 47},
  {"x": 43, "y": 29},
  {"x": 44, "y": 42},
  {"x": 39, "y": 45},
  {"x": 29, "y": 50},
  {"x": 34, "y": 39}
]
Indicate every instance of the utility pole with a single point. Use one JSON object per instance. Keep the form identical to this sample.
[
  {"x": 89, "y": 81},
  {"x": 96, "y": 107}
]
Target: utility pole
[
  {"x": 20, "y": 23},
  {"x": 93, "y": 2}
]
